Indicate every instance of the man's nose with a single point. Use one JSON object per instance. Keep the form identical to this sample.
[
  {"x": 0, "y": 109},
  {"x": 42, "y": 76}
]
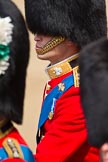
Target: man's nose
[{"x": 37, "y": 37}]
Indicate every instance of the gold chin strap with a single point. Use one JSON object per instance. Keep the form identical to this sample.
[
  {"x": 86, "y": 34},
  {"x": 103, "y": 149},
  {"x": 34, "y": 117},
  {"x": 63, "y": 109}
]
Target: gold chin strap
[{"x": 50, "y": 45}]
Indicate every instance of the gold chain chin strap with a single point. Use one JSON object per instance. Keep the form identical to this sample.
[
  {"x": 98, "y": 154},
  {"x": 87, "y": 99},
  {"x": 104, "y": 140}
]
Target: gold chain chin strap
[{"x": 50, "y": 45}]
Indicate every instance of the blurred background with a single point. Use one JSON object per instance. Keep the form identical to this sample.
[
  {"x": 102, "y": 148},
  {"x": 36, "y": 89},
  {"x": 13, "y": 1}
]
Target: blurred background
[{"x": 35, "y": 82}]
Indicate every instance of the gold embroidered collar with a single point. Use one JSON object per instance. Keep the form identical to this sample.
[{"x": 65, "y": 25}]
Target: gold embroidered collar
[{"x": 61, "y": 68}]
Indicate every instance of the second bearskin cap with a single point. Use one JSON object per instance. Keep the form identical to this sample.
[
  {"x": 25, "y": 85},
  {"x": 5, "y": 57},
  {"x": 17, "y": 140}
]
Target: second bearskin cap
[
  {"x": 94, "y": 90},
  {"x": 14, "y": 57},
  {"x": 81, "y": 21}
]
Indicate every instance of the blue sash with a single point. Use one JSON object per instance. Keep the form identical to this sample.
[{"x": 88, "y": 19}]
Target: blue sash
[
  {"x": 28, "y": 156},
  {"x": 55, "y": 94}
]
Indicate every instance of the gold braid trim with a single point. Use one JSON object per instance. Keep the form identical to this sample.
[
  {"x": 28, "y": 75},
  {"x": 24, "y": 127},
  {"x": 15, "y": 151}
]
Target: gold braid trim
[{"x": 50, "y": 45}]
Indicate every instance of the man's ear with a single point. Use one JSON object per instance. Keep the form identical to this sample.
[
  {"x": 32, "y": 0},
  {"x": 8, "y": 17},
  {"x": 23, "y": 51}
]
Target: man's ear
[{"x": 72, "y": 44}]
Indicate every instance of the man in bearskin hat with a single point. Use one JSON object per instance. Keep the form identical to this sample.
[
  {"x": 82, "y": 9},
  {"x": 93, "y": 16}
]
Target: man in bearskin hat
[
  {"x": 14, "y": 56},
  {"x": 94, "y": 92},
  {"x": 61, "y": 29}
]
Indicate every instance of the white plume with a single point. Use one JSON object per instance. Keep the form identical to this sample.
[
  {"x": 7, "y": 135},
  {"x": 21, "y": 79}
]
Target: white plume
[{"x": 6, "y": 28}]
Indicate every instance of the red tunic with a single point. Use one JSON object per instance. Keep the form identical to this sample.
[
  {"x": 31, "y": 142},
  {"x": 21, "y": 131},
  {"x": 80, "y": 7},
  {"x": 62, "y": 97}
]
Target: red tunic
[{"x": 65, "y": 136}]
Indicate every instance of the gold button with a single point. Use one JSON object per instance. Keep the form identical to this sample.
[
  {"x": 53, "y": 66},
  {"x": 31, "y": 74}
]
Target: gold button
[{"x": 50, "y": 116}]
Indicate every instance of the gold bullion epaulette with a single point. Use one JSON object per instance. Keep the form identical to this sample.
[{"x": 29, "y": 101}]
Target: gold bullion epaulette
[
  {"x": 76, "y": 76},
  {"x": 12, "y": 147}
]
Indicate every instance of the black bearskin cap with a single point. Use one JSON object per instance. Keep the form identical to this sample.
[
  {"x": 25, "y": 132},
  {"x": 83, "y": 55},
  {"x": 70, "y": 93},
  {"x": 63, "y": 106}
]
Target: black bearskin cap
[
  {"x": 81, "y": 21},
  {"x": 94, "y": 90},
  {"x": 12, "y": 84}
]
